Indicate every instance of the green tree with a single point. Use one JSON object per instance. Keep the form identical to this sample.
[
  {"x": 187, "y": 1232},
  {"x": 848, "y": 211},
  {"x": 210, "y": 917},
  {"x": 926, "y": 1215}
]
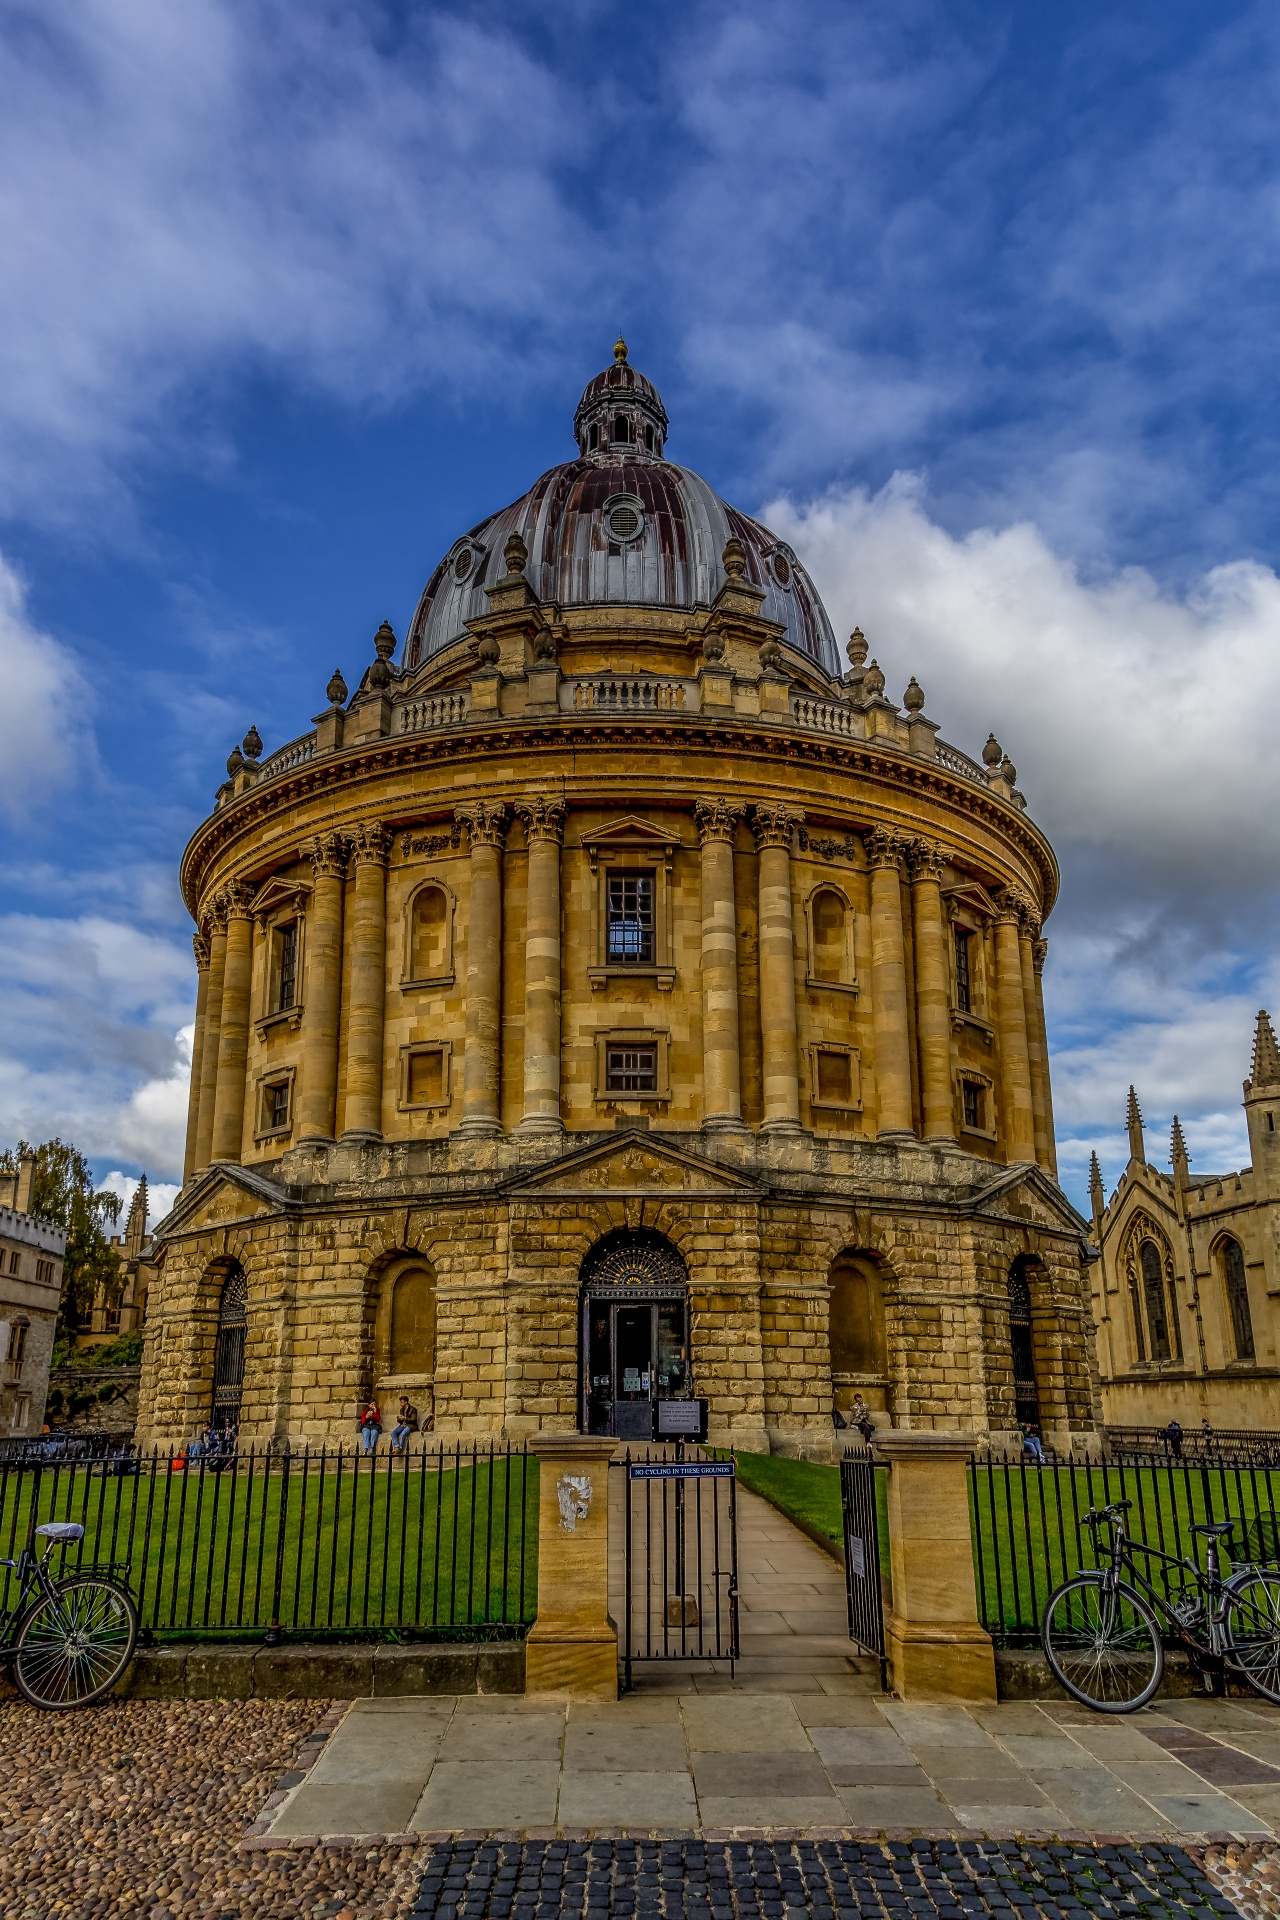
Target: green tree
[{"x": 65, "y": 1195}]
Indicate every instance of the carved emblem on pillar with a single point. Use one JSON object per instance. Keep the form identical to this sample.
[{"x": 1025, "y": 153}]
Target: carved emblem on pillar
[
  {"x": 885, "y": 847},
  {"x": 371, "y": 843},
  {"x": 328, "y": 856},
  {"x": 543, "y": 819},
  {"x": 774, "y": 826},
  {"x": 485, "y": 820},
  {"x": 926, "y": 860},
  {"x": 716, "y": 819}
]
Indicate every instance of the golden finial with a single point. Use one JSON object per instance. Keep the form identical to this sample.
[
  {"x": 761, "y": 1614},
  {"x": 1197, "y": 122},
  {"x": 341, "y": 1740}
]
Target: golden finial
[{"x": 620, "y": 350}]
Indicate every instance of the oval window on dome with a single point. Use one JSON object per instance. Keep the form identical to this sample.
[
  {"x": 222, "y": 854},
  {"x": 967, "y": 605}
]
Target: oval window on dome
[
  {"x": 781, "y": 569},
  {"x": 463, "y": 563},
  {"x": 623, "y": 519}
]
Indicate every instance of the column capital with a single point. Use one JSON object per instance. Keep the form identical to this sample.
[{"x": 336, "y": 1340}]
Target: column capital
[
  {"x": 1039, "y": 954},
  {"x": 1013, "y": 906},
  {"x": 213, "y": 920},
  {"x": 773, "y": 825},
  {"x": 885, "y": 847},
  {"x": 485, "y": 820},
  {"x": 200, "y": 946},
  {"x": 236, "y": 900},
  {"x": 327, "y": 853},
  {"x": 371, "y": 844},
  {"x": 717, "y": 819},
  {"x": 926, "y": 860},
  {"x": 543, "y": 819}
]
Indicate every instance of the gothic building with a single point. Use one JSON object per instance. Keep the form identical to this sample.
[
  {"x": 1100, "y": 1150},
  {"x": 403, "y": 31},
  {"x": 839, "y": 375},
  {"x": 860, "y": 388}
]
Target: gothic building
[
  {"x": 617, "y": 999},
  {"x": 1184, "y": 1292}
]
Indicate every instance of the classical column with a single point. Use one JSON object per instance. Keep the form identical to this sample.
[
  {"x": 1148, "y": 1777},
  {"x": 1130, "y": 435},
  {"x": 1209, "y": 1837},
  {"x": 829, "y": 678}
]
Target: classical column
[
  {"x": 216, "y": 921},
  {"x": 318, "y": 1100},
  {"x": 933, "y": 990},
  {"x": 721, "y": 1078},
  {"x": 487, "y": 822},
  {"x": 233, "y": 1036},
  {"x": 1035, "y": 1019},
  {"x": 544, "y": 824},
  {"x": 201, "y": 946},
  {"x": 366, "y": 1036},
  {"x": 1015, "y": 1060},
  {"x": 773, "y": 827},
  {"x": 885, "y": 851}
]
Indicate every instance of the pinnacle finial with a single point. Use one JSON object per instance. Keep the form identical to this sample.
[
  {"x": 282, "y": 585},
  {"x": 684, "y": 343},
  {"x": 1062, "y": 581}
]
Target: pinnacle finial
[
  {"x": 1177, "y": 1143},
  {"x": 1137, "y": 1146},
  {"x": 620, "y": 351},
  {"x": 1265, "y": 1070},
  {"x": 1096, "y": 1192}
]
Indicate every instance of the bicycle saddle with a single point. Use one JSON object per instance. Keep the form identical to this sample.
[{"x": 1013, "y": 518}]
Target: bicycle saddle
[
  {"x": 1213, "y": 1526},
  {"x": 61, "y": 1530}
]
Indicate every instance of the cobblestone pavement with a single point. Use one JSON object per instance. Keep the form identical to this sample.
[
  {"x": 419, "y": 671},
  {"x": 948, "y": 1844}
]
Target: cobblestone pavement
[{"x": 828, "y": 1879}]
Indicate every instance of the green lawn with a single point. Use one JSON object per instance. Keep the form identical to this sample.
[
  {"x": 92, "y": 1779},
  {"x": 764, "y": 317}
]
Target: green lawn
[{"x": 352, "y": 1551}]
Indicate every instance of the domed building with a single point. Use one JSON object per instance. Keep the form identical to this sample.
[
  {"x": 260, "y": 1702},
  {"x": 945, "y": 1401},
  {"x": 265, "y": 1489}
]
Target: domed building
[{"x": 617, "y": 1004}]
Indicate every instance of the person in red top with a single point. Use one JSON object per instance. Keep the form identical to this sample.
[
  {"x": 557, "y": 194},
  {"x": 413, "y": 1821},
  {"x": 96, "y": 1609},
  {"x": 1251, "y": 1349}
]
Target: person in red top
[{"x": 370, "y": 1426}]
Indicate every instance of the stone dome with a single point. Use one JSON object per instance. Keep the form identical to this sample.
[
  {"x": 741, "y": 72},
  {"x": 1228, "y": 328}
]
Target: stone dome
[{"x": 621, "y": 526}]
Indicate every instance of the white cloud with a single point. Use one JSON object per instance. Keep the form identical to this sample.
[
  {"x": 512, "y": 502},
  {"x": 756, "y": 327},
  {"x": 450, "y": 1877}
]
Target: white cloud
[
  {"x": 44, "y": 732},
  {"x": 161, "y": 1194}
]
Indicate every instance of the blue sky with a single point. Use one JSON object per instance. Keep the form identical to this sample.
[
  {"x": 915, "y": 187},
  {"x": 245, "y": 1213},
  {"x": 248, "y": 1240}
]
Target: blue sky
[{"x": 976, "y": 302}]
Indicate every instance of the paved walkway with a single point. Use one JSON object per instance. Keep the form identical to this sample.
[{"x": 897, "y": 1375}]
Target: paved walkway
[{"x": 798, "y": 1740}]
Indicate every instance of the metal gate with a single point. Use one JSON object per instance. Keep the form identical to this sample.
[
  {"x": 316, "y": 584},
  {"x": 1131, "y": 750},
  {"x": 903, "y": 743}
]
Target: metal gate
[
  {"x": 862, "y": 1554},
  {"x": 681, "y": 1566}
]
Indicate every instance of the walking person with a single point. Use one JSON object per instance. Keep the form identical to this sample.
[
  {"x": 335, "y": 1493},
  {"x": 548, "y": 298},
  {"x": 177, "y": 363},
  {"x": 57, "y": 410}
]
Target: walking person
[
  {"x": 370, "y": 1426},
  {"x": 1173, "y": 1439},
  {"x": 406, "y": 1423}
]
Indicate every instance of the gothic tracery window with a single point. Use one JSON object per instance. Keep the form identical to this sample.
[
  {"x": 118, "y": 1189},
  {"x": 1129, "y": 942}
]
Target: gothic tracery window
[
  {"x": 1238, "y": 1298},
  {"x": 1154, "y": 1298}
]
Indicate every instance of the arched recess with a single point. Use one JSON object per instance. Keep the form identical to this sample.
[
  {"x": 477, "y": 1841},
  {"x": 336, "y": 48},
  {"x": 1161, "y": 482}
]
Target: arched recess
[
  {"x": 856, "y": 1329},
  {"x": 428, "y": 954},
  {"x": 1235, "y": 1283},
  {"x": 228, "y": 1346},
  {"x": 1026, "y": 1275},
  {"x": 830, "y": 938},
  {"x": 633, "y": 1324},
  {"x": 404, "y": 1338}
]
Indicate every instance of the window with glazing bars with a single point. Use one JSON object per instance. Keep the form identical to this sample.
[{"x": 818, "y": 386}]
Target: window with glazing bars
[
  {"x": 963, "y": 992},
  {"x": 973, "y": 1104},
  {"x": 278, "y": 1106},
  {"x": 288, "y": 966},
  {"x": 630, "y": 915},
  {"x": 631, "y": 1069}
]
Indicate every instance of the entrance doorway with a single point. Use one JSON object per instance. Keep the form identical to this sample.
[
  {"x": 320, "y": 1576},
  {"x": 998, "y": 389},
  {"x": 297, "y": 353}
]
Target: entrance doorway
[{"x": 635, "y": 1333}]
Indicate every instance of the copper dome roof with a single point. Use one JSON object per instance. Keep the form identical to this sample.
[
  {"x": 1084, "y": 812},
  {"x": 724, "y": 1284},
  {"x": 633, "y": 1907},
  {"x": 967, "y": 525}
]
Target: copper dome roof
[{"x": 620, "y": 526}]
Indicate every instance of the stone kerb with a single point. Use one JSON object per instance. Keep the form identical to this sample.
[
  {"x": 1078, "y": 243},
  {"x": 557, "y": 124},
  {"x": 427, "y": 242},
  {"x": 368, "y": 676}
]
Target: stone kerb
[
  {"x": 572, "y": 1647},
  {"x": 937, "y": 1649}
]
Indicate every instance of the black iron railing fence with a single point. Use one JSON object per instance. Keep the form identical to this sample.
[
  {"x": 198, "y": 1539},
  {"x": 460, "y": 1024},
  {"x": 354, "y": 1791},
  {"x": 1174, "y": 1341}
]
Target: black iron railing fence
[
  {"x": 322, "y": 1543},
  {"x": 1029, "y": 1532},
  {"x": 1216, "y": 1446}
]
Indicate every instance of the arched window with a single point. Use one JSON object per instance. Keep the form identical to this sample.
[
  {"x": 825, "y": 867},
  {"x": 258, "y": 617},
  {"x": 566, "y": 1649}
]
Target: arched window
[
  {"x": 228, "y": 1351},
  {"x": 830, "y": 939},
  {"x": 1153, "y": 1294},
  {"x": 622, "y": 428},
  {"x": 1238, "y": 1298},
  {"x": 857, "y": 1317},
  {"x": 413, "y": 1322},
  {"x": 1026, "y": 1394},
  {"x": 429, "y": 934},
  {"x": 593, "y": 436}
]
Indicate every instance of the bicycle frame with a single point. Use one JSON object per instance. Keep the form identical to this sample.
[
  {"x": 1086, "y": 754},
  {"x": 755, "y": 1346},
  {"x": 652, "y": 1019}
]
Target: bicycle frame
[{"x": 1213, "y": 1589}]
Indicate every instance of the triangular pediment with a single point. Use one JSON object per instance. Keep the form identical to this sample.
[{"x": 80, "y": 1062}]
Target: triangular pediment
[
  {"x": 277, "y": 893},
  {"x": 630, "y": 831},
  {"x": 219, "y": 1195},
  {"x": 1027, "y": 1194},
  {"x": 634, "y": 1163},
  {"x": 969, "y": 893}
]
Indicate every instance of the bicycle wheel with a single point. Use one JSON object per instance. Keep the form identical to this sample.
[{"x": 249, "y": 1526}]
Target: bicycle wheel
[
  {"x": 1251, "y": 1619},
  {"x": 1103, "y": 1645},
  {"x": 72, "y": 1646}
]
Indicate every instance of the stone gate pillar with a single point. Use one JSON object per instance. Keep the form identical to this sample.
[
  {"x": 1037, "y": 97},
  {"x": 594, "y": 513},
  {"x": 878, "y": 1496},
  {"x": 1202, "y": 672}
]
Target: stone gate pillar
[{"x": 573, "y": 1644}]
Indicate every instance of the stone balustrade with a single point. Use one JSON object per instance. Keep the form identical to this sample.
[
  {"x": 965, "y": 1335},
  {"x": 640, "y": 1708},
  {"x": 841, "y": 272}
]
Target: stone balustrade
[
  {"x": 630, "y": 694},
  {"x": 434, "y": 710},
  {"x": 284, "y": 759},
  {"x": 827, "y": 716}
]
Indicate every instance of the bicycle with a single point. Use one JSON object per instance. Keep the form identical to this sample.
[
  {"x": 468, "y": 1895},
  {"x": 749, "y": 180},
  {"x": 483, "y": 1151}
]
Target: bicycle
[
  {"x": 1102, "y": 1636},
  {"x": 68, "y": 1640}
]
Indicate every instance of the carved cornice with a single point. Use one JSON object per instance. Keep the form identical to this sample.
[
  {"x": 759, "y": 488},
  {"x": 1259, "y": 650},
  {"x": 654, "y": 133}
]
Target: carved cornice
[
  {"x": 371, "y": 844},
  {"x": 485, "y": 820},
  {"x": 773, "y": 826},
  {"x": 926, "y": 860},
  {"x": 717, "y": 819},
  {"x": 201, "y": 947},
  {"x": 885, "y": 847},
  {"x": 328, "y": 856},
  {"x": 543, "y": 819}
]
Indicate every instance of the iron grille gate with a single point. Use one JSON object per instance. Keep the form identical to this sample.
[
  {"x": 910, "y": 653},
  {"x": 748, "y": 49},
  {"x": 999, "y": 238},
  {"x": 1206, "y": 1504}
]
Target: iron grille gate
[
  {"x": 681, "y": 1560},
  {"x": 862, "y": 1554}
]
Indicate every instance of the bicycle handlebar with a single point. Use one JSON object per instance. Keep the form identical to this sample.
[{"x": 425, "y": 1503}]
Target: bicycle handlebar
[{"x": 1097, "y": 1515}]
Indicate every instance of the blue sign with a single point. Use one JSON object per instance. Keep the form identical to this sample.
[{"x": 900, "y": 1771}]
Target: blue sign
[{"x": 685, "y": 1470}]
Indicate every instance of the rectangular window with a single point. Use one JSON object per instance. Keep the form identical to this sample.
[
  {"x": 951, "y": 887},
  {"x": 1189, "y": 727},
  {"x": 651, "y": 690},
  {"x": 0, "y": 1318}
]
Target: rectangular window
[
  {"x": 15, "y": 1261},
  {"x": 974, "y": 1106},
  {"x": 17, "y": 1349},
  {"x": 631, "y": 1070},
  {"x": 426, "y": 1079},
  {"x": 630, "y": 918},
  {"x": 111, "y": 1319},
  {"x": 44, "y": 1271},
  {"x": 835, "y": 1078},
  {"x": 287, "y": 967},
  {"x": 964, "y": 997},
  {"x": 275, "y": 1106}
]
